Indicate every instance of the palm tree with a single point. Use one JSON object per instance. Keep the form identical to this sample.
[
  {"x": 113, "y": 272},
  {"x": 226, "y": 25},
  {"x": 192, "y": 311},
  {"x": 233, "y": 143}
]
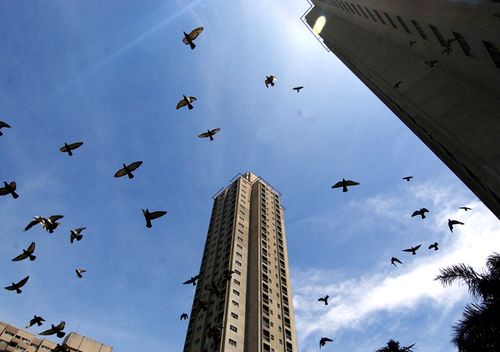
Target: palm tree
[
  {"x": 479, "y": 327},
  {"x": 393, "y": 346}
]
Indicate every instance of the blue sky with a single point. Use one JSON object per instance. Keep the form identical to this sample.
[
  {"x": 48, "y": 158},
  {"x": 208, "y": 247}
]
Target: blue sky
[{"x": 110, "y": 74}]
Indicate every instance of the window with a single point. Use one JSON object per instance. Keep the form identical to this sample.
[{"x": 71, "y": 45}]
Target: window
[
  {"x": 419, "y": 29},
  {"x": 234, "y": 315},
  {"x": 379, "y": 17},
  {"x": 233, "y": 328},
  {"x": 355, "y": 9},
  {"x": 494, "y": 53},
  {"x": 407, "y": 30},
  {"x": 390, "y": 20},
  {"x": 463, "y": 44},
  {"x": 237, "y": 263},
  {"x": 360, "y": 9},
  {"x": 236, "y": 292},
  {"x": 438, "y": 35},
  {"x": 236, "y": 282},
  {"x": 232, "y": 342},
  {"x": 371, "y": 15},
  {"x": 236, "y": 304},
  {"x": 237, "y": 272}
]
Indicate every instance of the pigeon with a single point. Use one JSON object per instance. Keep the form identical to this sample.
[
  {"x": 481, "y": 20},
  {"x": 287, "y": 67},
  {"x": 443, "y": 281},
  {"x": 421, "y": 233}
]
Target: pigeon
[
  {"x": 27, "y": 253},
  {"x": 397, "y": 84},
  {"x": 209, "y": 134},
  {"x": 186, "y": 101},
  {"x": 298, "y": 88},
  {"x": 412, "y": 43},
  {"x": 38, "y": 220},
  {"x": 79, "y": 272},
  {"x": 67, "y": 148},
  {"x": 17, "y": 286},
  {"x": 465, "y": 208},
  {"x": 127, "y": 169},
  {"x": 9, "y": 188},
  {"x": 395, "y": 260},
  {"x": 324, "y": 299},
  {"x": 434, "y": 246},
  {"x": 270, "y": 81},
  {"x": 454, "y": 222},
  {"x": 36, "y": 320},
  {"x": 188, "y": 38},
  {"x": 344, "y": 183},
  {"x": 61, "y": 348},
  {"x": 412, "y": 250},
  {"x": 323, "y": 341},
  {"x": 49, "y": 224},
  {"x": 226, "y": 275},
  {"x": 153, "y": 215},
  {"x": 184, "y": 316},
  {"x": 192, "y": 280},
  {"x": 420, "y": 212},
  {"x": 407, "y": 178},
  {"x": 76, "y": 234},
  {"x": 3, "y": 125},
  {"x": 57, "y": 329},
  {"x": 432, "y": 63}
]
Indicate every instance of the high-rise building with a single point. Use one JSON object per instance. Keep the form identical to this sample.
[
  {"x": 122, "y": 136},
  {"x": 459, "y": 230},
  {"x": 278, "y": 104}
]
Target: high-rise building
[
  {"x": 436, "y": 65},
  {"x": 243, "y": 298},
  {"x": 15, "y": 339}
]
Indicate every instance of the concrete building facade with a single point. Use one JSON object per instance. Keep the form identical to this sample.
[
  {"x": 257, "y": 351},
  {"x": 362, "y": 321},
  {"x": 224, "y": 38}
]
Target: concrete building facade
[
  {"x": 15, "y": 339},
  {"x": 243, "y": 298},
  {"x": 436, "y": 65}
]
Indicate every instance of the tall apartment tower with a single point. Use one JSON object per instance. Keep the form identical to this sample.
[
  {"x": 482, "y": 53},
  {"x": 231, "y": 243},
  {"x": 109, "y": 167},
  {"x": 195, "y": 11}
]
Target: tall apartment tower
[
  {"x": 243, "y": 299},
  {"x": 436, "y": 65}
]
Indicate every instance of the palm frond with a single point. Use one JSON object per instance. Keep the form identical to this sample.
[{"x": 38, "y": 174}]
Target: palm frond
[{"x": 461, "y": 272}]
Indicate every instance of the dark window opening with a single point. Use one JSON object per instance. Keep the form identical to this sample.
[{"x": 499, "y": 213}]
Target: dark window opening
[
  {"x": 419, "y": 29},
  {"x": 463, "y": 44},
  {"x": 390, "y": 20},
  {"x": 403, "y": 24},
  {"x": 439, "y": 36},
  {"x": 371, "y": 15},
  {"x": 360, "y": 9},
  {"x": 379, "y": 17},
  {"x": 494, "y": 53}
]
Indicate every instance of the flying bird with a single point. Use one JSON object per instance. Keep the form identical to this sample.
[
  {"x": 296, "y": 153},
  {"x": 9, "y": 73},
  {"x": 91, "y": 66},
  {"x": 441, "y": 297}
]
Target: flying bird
[
  {"x": 17, "y": 286},
  {"x": 407, "y": 348},
  {"x": 186, "y": 101},
  {"x": 412, "y": 250},
  {"x": 192, "y": 280},
  {"x": 27, "y": 253},
  {"x": 298, "y": 88},
  {"x": 67, "y": 148},
  {"x": 127, "y": 169},
  {"x": 344, "y": 183},
  {"x": 55, "y": 329},
  {"x": 76, "y": 234},
  {"x": 184, "y": 316},
  {"x": 226, "y": 275},
  {"x": 395, "y": 260},
  {"x": 36, "y": 320},
  {"x": 397, "y": 84},
  {"x": 323, "y": 341},
  {"x": 412, "y": 42},
  {"x": 209, "y": 134},
  {"x": 420, "y": 212},
  {"x": 188, "y": 38},
  {"x": 324, "y": 299},
  {"x": 3, "y": 125},
  {"x": 270, "y": 80},
  {"x": 407, "y": 178},
  {"x": 465, "y": 208},
  {"x": 79, "y": 272},
  {"x": 9, "y": 188},
  {"x": 434, "y": 246},
  {"x": 49, "y": 224},
  {"x": 152, "y": 215},
  {"x": 432, "y": 63},
  {"x": 454, "y": 222}
]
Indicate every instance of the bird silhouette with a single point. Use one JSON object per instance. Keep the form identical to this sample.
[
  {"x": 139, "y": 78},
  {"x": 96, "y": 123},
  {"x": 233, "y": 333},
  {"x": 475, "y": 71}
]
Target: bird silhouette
[
  {"x": 55, "y": 329},
  {"x": 192, "y": 280},
  {"x": 152, "y": 215},
  {"x": 79, "y": 272},
  {"x": 68, "y": 148},
  {"x": 3, "y": 125},
  {"x": 434, "y": 246},
  {"x": 185, "y": 101},
  {"x": 184, "y": 316},
  {"x": 407, "y": 178},
  {"x": 454, "y": 222},
  {"x": 323, "y": 341},
  {"x": 27, "y": 253},
  {"x": 412, "y": 42},
  {"x": 298, "y": 88},
  {"x": 127, "y": 169},
  {"x": 431, "y": 63},
  {"x": 188, "y": 38},
  {"x": 397, "y": 84},
  {"x": 412, "y": 250},
  {"x": 270, "y": 80},
  {"x": 395, "y": 260},
  {"x": 226, "y": 275},
  {"x": 49, "y": 224},
  {"x": 324, "y": 299},
  {"x": 420, "y": 212},
  {"x": 36, "y": 320},
  {"x": 9, "y": 188},
  {"x": 465, "y": 208},
  {"x": 17, "y": 286},
  {"x": 209, "y": 134},
  {"x": 344, "y": 183},
  {"x": 76, "y": 234}
]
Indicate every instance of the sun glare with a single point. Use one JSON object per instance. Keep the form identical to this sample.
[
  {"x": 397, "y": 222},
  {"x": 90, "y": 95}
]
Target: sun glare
[{"x": 319, "y": 24}]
